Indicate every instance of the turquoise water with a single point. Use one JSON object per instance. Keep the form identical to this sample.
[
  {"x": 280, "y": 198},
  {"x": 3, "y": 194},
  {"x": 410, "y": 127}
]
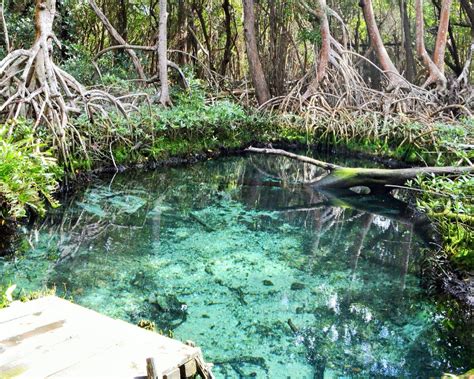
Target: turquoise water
[{"x": 271, "y": 279}]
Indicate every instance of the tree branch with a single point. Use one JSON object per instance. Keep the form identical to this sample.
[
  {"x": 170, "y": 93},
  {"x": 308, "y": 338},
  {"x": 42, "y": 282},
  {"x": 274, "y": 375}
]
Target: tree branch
[{"x": 377, "y": 179}]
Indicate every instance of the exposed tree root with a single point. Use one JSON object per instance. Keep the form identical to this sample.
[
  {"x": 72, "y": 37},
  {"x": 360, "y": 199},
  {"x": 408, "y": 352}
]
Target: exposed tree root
[
  {"x": 34, "y": 86},
  {"x": 337, "y": 85}
]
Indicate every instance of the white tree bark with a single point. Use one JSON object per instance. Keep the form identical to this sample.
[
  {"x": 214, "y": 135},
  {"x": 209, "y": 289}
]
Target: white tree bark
[{"x": 165, "y": 99}]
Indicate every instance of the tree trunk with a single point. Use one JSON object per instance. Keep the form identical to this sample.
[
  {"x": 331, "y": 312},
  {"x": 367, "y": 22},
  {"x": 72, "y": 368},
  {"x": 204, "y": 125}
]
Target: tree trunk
[
  {"x": 278, "y": 43},
  {"x": 395, "y": 80},
  {"x": 182, "y": 32},
  {"x": 434, "y": 73},
  {"x": 376, "y": 179},
  {"x": 228, "y": 37},
  {"x": 122, "y": 19},
  {"x": 468, "y": 6},
  {"x": 165, "y": 99},
  {"x": 255, "y": 65},
  {"x": 410, "y": 59},
  {"x": 325, "y": 50},
  {"x": 207, "y": 38},
  {"x": 442, "y": 37},
  {"x": 455, "y": 65},
  {"x": 6, "y": 38},
  {"x": 118, "y": 39}
]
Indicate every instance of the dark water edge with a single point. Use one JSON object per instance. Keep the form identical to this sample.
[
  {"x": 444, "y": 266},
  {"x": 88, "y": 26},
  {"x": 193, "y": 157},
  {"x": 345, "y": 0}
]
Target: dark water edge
[{"x": 209, "y": 213}]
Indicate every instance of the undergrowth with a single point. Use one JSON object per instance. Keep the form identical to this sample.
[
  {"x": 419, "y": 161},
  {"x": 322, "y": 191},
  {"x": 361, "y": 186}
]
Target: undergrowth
[
  {"x": 28, "y": 172},
  {"x": 434, "y": 143},
  {"x": 193, "y": 125},
  {"x": 450, "y": 203}
]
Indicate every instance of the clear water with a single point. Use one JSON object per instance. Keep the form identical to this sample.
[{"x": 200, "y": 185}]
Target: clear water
[{"x": 271, "y": 279}]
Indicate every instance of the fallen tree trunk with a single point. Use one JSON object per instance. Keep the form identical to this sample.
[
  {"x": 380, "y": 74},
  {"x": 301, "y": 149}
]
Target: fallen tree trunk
[{"x": 376, "y": 179}]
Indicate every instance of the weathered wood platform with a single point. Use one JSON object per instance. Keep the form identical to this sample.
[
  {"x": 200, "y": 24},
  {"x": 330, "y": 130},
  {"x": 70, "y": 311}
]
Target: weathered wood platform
[{"x": 53, "y": 338}]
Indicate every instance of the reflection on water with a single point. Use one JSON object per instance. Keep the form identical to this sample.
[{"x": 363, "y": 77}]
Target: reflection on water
[{"x": 270, "y": 278}]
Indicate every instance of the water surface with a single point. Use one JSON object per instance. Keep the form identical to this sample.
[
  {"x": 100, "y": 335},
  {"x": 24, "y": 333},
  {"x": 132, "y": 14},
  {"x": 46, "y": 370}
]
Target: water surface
[{"x": 270, "y": 278}]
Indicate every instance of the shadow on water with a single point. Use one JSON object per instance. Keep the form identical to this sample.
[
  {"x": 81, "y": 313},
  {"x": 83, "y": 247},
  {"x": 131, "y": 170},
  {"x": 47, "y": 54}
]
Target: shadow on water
[{"x": 271, "y": 278}]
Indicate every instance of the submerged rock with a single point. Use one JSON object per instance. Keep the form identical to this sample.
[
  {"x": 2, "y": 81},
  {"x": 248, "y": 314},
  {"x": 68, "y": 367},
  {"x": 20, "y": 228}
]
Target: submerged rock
[
  {"x": 297, "y": 286},
  {"x": 267, "y": 283},
  {"x": 168, "y": 304},
  {"x": 166, "y": 310}
]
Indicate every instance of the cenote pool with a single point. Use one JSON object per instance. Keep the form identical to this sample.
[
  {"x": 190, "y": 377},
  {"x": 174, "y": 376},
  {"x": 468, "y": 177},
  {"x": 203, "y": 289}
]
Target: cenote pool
[{"x": 270, "y": 278}]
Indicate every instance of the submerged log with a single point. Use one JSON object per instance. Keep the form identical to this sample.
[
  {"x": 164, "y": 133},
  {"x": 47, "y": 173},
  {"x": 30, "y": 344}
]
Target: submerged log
[{"x": 377, "y": 179}]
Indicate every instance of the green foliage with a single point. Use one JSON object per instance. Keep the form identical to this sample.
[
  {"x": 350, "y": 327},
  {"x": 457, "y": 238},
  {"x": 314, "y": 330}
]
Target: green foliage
[
  {"x": 7, "y": 294},
  {"x": 34, "y": 295},
  {"x": 79, "y": 64},
  {"x": 28, "y": 175},
  {"x": 193, "y": 125},
  {"x": 3, "y": 298},
  {"x": 450, "y": 202},
  {"x": 310, "y": 35}
]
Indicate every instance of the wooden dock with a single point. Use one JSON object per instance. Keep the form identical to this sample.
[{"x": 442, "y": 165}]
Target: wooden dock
[{"x": 53, "y": 338}]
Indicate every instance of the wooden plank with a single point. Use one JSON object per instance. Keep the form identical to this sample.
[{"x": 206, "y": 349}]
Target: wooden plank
[
  {"x": 50, "y": 359},
  {"x": 41, "y": 333},
  {"x": 53, "y": 338},
  {"x": 173, "y": 374},
  {"x": 114, "y": 362},
  {"x": 129, "y": 360},
  {"x": 18, "y": 309},
  {"x": 47, "y": 310},
  {"x": 189, "y": 369},
  {"x": 151, "y": 371}
]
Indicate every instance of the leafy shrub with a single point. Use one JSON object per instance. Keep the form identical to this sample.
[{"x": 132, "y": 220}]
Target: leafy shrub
[
  {"x": 450, "y": 203},
  {"x": 193, "y": 125},
  {"x": 27, "y": 174}
]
